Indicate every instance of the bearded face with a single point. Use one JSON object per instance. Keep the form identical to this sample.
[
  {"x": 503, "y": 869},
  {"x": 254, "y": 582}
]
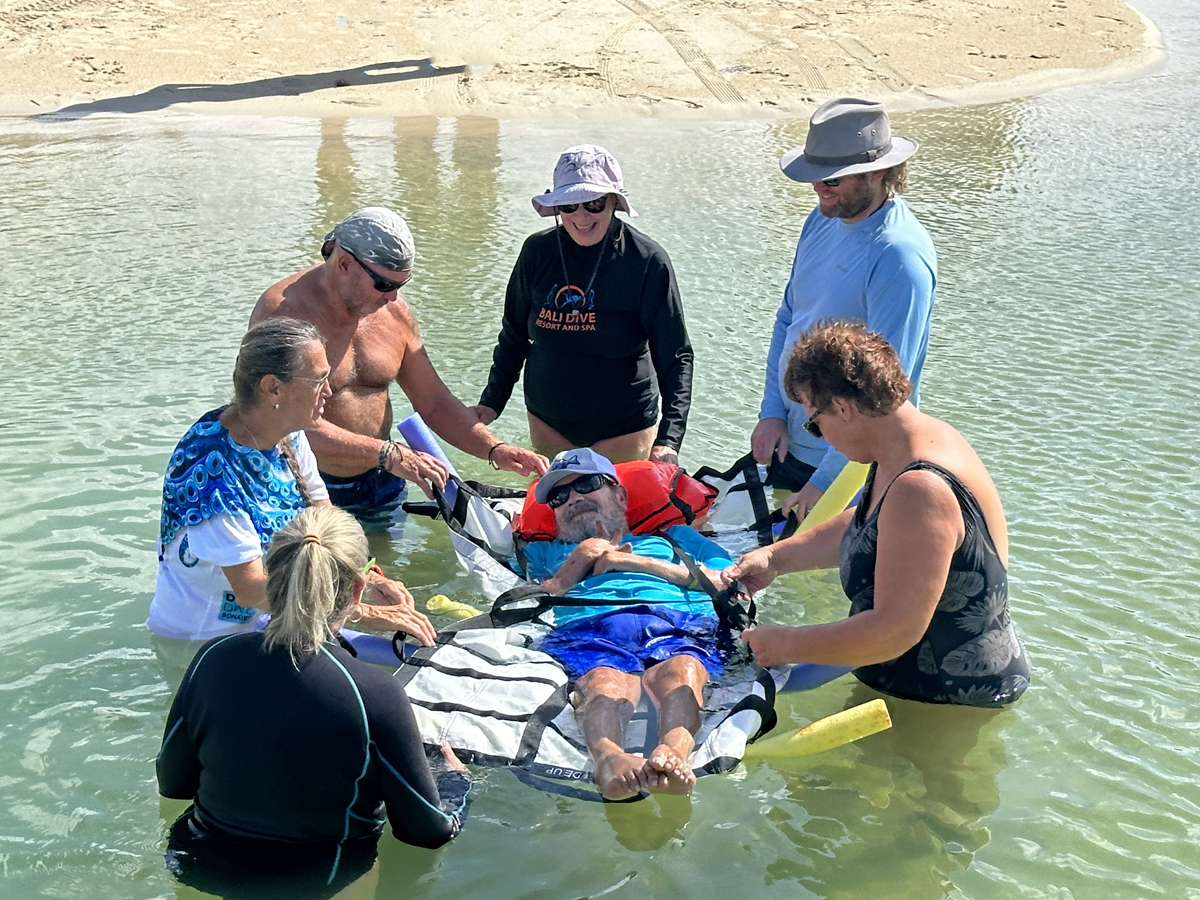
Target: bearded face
[{"x": 598, "y": 514}]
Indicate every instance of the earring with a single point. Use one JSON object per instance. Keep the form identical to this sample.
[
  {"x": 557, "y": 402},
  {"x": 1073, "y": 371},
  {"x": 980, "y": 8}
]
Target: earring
[{"x": 277, "y": 406}]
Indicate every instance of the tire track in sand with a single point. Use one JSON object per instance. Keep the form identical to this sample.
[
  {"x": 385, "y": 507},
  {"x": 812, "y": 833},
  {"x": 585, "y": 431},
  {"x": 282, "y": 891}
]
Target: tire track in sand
[
  {"x": 811, "y": 75},
  {"x": 880, "y": 68},
  {"x": 853, "y": 46},
  {"x": 681, "y": 42},
  {"x": 31, "y": 15}
]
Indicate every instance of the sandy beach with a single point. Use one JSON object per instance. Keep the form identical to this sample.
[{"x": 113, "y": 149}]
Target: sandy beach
[{"x": 504, "y": 59}]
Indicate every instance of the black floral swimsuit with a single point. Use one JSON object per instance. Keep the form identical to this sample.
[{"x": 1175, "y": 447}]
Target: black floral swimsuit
[{"x": 970, "y": 653}]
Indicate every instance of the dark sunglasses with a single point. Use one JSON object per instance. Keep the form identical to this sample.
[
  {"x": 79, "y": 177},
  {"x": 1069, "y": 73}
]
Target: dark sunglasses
[
  {"x": 831, "y": 182},
  {"x": 560, "y": 492},
  {"x": 383, "y": 285},
  {"x": 592, "y": 206},
  {"x": 810, "y": 425}
]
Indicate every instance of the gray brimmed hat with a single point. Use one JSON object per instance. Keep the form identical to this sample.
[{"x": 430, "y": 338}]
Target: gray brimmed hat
[
  {"x": 583, "y": 173},
  {"x": 376, "y": 235},
  {"x": 846, "y": 137},
  {"x": 571, "y": 463}
]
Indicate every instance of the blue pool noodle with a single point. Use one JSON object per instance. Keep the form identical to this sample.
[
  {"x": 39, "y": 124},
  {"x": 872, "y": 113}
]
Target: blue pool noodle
[{"x": 418, "y": 436}]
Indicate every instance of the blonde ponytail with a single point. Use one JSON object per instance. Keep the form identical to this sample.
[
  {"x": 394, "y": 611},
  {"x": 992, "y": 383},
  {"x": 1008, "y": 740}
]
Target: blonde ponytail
[{"x": 312, "y": 565}]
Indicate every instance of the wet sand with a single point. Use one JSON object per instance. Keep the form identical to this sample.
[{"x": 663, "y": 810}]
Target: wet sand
[{"x": 506, "y": 59}]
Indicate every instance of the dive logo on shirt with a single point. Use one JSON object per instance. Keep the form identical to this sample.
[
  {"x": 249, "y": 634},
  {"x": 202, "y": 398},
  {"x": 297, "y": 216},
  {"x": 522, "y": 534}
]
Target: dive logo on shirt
[
  {"x": 568, "y": 309},
  {"x": 231, "y": 612},
  {"x": 186, "y": 556}
]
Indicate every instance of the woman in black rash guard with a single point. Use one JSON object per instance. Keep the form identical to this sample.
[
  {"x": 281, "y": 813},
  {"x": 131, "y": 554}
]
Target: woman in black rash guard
[
  {"x": 290, "y": 748},
  {"x": 592, "y": 312}
]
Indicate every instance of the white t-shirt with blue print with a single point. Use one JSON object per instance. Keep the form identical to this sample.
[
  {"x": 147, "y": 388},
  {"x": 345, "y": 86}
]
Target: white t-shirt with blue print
[{"x": 193, "y": 599}]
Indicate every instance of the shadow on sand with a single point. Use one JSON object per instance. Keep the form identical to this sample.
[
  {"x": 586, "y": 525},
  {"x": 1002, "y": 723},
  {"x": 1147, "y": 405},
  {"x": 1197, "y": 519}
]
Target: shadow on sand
[{"x": 284, "y": 86}]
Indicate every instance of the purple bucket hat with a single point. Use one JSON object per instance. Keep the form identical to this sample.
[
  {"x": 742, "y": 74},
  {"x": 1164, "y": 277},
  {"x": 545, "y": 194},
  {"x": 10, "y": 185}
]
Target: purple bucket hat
[{"x": 583, "y": 173}]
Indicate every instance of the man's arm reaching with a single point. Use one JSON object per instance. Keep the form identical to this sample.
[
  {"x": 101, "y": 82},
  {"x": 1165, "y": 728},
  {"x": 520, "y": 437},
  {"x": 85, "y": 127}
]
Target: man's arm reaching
[{"x": 454, "y": 422}]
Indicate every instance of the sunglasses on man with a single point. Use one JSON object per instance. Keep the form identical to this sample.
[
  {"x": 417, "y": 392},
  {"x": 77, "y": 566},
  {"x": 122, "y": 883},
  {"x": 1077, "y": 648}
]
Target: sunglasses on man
[
  {"x": 560, "y": 492},
  {"x": 383, "y": 285},
  {"x": 593, "y": 206}
]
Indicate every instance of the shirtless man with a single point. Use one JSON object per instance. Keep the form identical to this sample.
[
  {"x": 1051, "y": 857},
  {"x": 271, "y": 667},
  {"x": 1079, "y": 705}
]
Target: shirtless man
[
  {"x": 373, "y": 339},
  {"x": 667, "y": 646}
]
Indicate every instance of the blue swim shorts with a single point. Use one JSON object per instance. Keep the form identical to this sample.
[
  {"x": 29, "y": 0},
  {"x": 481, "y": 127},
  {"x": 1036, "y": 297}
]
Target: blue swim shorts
[
  {"x": 373, "y": 492},
  {"x": 633, "y": 638}
]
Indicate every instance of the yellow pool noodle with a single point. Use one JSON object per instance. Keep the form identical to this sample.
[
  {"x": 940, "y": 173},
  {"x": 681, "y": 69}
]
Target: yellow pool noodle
[
  {"x": 840, "y": 492},
  {"x": 824, "y": 734},
  {"x": 440, "y": 603}
]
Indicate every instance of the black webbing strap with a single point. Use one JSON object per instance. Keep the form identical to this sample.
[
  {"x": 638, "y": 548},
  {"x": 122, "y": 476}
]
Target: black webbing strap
[
  {"x": 455, "y": 516},
  {"x": 522, "y": 558},
  {"x": 531, "y": 737},
  {"x": 535, "y": 600},
  {"x": 747, "y": 467},
  {"x": 734, "y": 616}
]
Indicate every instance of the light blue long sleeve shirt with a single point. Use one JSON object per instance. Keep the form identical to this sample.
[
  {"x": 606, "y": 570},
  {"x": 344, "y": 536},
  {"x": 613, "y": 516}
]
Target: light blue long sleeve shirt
[{"x": 881, "y": 271}]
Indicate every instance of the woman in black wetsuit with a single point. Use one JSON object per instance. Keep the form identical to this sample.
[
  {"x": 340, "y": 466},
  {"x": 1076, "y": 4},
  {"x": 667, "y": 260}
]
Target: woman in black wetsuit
[
  {"x": 923, "y": 557},
  {"x": 592, "y": 313},
  {"x": 290, "y": 748}
]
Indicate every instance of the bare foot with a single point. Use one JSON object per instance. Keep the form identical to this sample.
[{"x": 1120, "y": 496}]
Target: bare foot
[
  {"x": 675, "y": 775},
  {"x": 622, "y": 775}
]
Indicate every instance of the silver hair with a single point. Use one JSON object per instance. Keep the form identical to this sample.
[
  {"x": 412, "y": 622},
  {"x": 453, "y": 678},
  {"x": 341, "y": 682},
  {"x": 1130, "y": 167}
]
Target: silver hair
[{"x": 274, "y": 347}]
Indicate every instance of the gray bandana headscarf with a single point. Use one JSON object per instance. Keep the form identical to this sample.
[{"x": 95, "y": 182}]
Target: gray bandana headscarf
[{"x": 376, "y": 235}]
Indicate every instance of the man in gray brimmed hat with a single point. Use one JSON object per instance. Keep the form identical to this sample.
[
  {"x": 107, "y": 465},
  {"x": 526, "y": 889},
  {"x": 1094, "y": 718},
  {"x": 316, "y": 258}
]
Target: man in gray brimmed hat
[
  {"x": 372, "y": 337},
  {"x": 862, "y": 256}
]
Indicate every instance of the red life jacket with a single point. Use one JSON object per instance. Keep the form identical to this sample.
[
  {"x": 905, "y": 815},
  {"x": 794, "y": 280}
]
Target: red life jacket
[{"x": 660, "y": 495}]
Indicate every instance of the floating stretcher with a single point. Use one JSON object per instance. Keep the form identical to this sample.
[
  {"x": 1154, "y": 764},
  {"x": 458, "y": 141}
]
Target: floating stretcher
[{"x": 486, "y": 691}]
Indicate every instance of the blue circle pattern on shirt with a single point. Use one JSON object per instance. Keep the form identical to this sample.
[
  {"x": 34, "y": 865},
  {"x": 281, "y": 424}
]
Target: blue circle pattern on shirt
[{"x": 211, "y": 475}]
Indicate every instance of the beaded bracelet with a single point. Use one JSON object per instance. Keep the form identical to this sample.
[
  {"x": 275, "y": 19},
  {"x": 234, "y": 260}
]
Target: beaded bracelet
[{"x": 386, "y": 449}]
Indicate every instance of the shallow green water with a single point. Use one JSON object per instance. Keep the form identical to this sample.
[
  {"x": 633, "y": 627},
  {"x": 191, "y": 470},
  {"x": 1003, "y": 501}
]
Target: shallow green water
[{"x": 1064, "y": 343}]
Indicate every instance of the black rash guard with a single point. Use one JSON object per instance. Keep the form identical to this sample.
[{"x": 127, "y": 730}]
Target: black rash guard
[
  {"x": 307, "y": 756},
  {"x": 595, "y": 360}
]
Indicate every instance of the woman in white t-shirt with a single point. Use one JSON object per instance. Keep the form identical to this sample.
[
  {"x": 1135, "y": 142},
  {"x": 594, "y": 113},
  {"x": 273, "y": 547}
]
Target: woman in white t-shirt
[{"x": 240, "y": 474}]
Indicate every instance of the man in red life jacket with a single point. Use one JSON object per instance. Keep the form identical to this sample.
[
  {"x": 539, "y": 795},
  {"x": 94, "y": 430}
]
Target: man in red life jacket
[{"x": 664, "y": 642}]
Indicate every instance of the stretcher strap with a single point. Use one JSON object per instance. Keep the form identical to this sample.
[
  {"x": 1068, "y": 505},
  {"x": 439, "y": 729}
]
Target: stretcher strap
[
  {"x": 752, "y": 485},
  {"x": 733, "y": 615}
]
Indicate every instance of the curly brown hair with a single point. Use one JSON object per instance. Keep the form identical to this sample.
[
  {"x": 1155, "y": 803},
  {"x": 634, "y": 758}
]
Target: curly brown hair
[
  {"x": 895, "y": 179},
  {"x": 844, "y": 359}
]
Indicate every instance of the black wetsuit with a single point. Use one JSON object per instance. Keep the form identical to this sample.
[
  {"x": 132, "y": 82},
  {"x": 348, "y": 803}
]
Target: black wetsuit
[
  {"x": 291, "y": 768},
  {"x": 970, "y": 653},
  {"x": 595, "y": 360}
]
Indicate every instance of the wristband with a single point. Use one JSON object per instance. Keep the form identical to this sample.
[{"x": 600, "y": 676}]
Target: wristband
[
  {"x": 386, "y": 449},
  {"x": 496, "y": 446}
]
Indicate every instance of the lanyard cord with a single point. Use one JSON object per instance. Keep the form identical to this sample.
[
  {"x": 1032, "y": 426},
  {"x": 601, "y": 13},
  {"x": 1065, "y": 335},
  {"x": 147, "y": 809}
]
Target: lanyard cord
[{"x": 563, "y": 257}]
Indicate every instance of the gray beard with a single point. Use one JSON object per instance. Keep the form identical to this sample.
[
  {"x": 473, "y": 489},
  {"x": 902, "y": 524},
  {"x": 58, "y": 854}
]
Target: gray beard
[{"x": 586, "y": 520}]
